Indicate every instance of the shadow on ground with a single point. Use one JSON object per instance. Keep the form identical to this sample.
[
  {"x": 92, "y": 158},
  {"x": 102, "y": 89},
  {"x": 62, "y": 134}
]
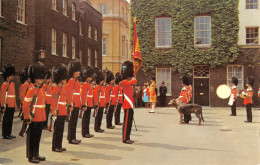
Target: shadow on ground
[
  {"x": 92, "y": 155},
  {"x": 106, "y": 146}
]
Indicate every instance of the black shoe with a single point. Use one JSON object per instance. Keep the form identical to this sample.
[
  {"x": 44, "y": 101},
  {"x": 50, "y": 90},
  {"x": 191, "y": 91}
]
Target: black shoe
[
  {"x": 7, "y": 137},
  {"x": 100, "y": 131},
  {"x": 74, "y": 141},
  {"x": 232, "y": 115},
  {"x": 34, "y": 160},
  {"x": 57, "y": 150},
  {"x": 41, "y": 158},
  {"x": 128, "y": 142},
  {"x": 119, "y": 124},
  {"x": 248, "y": 121},
  {"x": 12, "y": 136},
  {"x": 63, "y": 149},
  {"x": 88, "y": 136},
  {"x": 111, "y": 127}
]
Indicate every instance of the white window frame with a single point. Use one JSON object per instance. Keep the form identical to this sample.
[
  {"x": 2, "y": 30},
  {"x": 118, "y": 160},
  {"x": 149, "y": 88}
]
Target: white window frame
[
  {"x": 89, "y": 31},
  {"x": 167, "y": 83},
  {"x": 104, "y": 46},
  {"x": 53, "y": 41},
  {"x": 73, "y": 12},
  {"x": 253, "y": 38},
  {"x": 80, "y": 56},
  {"x": 54, "y": 4},
  {"x": 73, "y": 47},
  {"x": 103, "y": 9},
  {"x": 166, "y": 32},
  {"x": 21, "y": 11},
  {"x": 80, "y": 28},
  {"x": 65, "y": 45},
  {"x": 96, "y": 34},
  {"x": 240, "y": 81},
  {"x": 197, "y": 44},
  {"x": 65, "y": 7},
  {"x": 252, "y": 4},
  {"x": 96, "y": 58},
  {"x": 89, "y": 57}
]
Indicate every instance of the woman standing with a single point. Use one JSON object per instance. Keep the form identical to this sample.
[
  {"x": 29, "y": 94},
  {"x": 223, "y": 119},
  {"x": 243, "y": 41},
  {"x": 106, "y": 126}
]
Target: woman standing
[
  {"x": 153, "y": 97},
  {"x": 145, "y": 97}
]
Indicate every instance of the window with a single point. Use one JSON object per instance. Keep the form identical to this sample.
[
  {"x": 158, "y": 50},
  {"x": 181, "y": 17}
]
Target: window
[
  {"x": 252, "y": 36},
  {"x": 103, "y": 9},
  {"x": 104, "y": 46},
  {"x": 80, "y": 27},
  {"x": 65, "y": 7},
  {"x": 80, "y": 56},
  {"x": 235, "y": 71},
  {"x": 53, "y": 41},
  {"x": 73, "y": 7},
  {"x": 0, "y": 8},
  {"x": 251, "y": 4},
  {"x": 202, "y": 30},
  {"x": 123, "y": 46},
  {"x": 54, "y": 4},
  {"x": 21, "y": 11},
  {"x": 163, "y": 32},
  {"x": 89, "y": 57},
  {"x": 89, "y": 31},
  {"x": 96, "y": 58},
  {"x": 96, "y": 34},
  {"x": 164, "y": 74},
  {"x": 73, "y": 47},
  {"x": 64, "y": 44}
]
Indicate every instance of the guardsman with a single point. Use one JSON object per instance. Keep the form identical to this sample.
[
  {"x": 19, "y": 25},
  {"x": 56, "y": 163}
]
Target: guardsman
[
  {"x": 110, "y": 98},
  {"x": 73, "y": 100},
  {"x": 26, "y": 85},
  {"x": 118, "y": 97},
  {"x": 8, "y": 101},
  {"x": 128, "y": 106},
  {"x": 248, "y": 98},
  {"x": 189, "y": 90},
  {"x": 47, "y": 86},
  {"x": 184, "y": 98},
  {"x": 34, "y": 111},
  {"x": 234, "y": 96},
  {"x": 58, "y": 105},
  {"x": 152, "y": 96},
  {"x": 87, "y": 99},
  {"x": 99, "y": 99}
]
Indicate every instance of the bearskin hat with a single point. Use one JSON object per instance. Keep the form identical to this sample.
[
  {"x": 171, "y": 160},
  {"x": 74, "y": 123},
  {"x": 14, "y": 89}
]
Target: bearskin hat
[
  {"x": 73, "y": 66},
  {"x": 37, "y": 71},
  {"x": 153, "y": 78},
  {"x": 8, "y": 70},
  {"x": 48, "y": 74},
  {"x": 234, "y": 80},
  {"x": 24, "y": 75},
  {"x": 185, "y": 80},
  {"x": 59, "y": 73},
  {"x": 118, "y": 78},
  {"x": 109, "y": 77},
  {"x": 127, "y": 70},
  {"x": 87, "y": 72},
  {"x": 98, "y": 75},
  {"x": 250, "y": 81}
]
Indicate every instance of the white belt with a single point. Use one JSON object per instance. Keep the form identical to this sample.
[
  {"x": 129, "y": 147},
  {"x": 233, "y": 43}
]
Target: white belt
[
  {"x": 48, "y": 95},
  {"x": 76, "y": 93},
  {"x": 120, "y": 95},
  {"x": 89, "y": 95},
  {"x": 102, "y": 97},
  {"x": 39, "y": 106},
  {"x": 13, "y": 96},
  {"x": 62, "y": 103},
  {"x": 112, "y": 95}
]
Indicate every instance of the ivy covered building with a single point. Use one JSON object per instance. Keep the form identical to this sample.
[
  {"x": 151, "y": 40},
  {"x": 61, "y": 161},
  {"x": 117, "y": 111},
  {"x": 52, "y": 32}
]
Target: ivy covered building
[{"x": 199, "y": 38}]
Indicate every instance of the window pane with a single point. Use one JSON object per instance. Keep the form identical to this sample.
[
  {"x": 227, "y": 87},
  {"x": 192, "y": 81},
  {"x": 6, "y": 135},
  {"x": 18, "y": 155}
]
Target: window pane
[{"x": 163, "y": 29}]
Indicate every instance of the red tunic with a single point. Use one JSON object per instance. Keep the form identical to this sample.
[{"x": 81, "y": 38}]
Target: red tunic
[
  {"x": 9, "y": 97},
  {"x": 118, "y": 94},
  {"x": 127, "y": 87},
  {"x": 87, "y": 95},
  {"x": 38, "y": 107},
  {"x": 249, "y": 95},
  {"x": 234, "y": 91},
  {"x": 48, "y": 91},
  {"x": 59, "y": 101},
  {"x": 259, "y": 92},
  {"x": 184, "y": 95},
  {"x": 23, "y": 90},
  {"x": 99, "y": 96},
  {"x": 108, "y": 90},
  {"x": 73, "y": 93},
  {"x": 189, "y": 89}
]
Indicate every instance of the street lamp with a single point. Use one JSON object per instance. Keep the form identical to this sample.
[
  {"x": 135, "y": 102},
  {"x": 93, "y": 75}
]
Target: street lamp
[{"x": 42, "y": 54}]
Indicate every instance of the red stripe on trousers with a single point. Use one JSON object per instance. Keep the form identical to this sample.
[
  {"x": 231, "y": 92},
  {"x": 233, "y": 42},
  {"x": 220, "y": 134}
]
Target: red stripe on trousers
[{"x": 125, "y": 127}]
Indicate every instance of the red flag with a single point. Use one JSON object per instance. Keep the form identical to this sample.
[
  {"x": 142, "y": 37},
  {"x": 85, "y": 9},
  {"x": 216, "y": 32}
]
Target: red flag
[{"x": 137, "y": 58}]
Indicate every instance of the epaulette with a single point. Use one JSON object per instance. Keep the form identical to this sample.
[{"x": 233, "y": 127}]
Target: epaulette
[
  {"x": 249, "y": 89},
  {"x": 184, "y": 89},
  {"x": 234, "y": 87}
]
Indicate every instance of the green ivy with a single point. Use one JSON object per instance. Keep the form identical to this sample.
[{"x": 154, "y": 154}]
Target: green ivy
[{"x": 183, "y": 54}]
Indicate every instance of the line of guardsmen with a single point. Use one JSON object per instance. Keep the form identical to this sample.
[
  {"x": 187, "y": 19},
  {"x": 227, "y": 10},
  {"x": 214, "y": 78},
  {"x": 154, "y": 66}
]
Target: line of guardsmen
[{"x": 66, "y": 92}]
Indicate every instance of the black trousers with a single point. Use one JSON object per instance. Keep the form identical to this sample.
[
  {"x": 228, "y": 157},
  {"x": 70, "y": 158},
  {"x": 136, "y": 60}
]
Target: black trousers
[
  {"x": 233, "y": 109},
  {"x": 249, "y": 112},
  {"x": 47, "y": 111},
  {"x": 7, "y": 121},
  {"x": 109, "y": 116},
  {"x": 86, "y": 121},
  {"x": 34, "y": 134},
  {"x": 73, "y": 124},
  {"x": 117, "y": 113},
  {"x": 98, "y": 118},
  {"x": 163, "y": 99},
  {"x": 127, "y": 126},
  {"x": 58, "y": 132}
]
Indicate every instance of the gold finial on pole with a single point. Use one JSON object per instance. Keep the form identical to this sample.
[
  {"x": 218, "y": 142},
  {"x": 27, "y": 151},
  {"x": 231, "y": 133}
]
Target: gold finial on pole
[{"x": 134, "y": 19}]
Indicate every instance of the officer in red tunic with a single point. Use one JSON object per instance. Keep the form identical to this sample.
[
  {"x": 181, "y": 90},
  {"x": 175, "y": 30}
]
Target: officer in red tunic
[
  {"x": 99, "y": 99},
  {"x": 234, "y": 93},
  {"x": 34, "y": 112},
  {"x": 48, "y": 90},
  {"x": 73, "y": 100},
  {"x": 118, "y": 97},
  {"x": 58, "y": 105},
  {"x": 128, "y": 106},
  {"x": 248, "y": 98},
  {"x": 110, "y": 98},
  {"x": 184, "y": 97},
  {"x": 86, "y": 99},
  {"x": 8, "y": 101}
]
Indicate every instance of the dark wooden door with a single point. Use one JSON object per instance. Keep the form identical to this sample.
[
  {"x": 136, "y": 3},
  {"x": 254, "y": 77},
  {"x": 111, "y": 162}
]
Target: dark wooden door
[{"x": 201, "y": 91}]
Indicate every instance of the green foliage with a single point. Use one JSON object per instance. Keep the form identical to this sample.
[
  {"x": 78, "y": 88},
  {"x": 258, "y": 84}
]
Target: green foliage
[{"x": 183, "y": 54}]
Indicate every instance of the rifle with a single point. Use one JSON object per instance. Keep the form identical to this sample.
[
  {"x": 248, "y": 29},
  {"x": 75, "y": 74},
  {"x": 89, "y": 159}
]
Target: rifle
[
  {"x": 53, "y": 118},
  {"x": 80, "y": 113},
  {"x": 96, "y": 109},
  {"x": 107, "y": 108},
  {"x": 72, "y": 104}
]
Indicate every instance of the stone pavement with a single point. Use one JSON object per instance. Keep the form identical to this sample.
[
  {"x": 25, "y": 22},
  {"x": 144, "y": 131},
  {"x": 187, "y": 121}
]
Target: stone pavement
[{"x": 221, "y": 139}]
